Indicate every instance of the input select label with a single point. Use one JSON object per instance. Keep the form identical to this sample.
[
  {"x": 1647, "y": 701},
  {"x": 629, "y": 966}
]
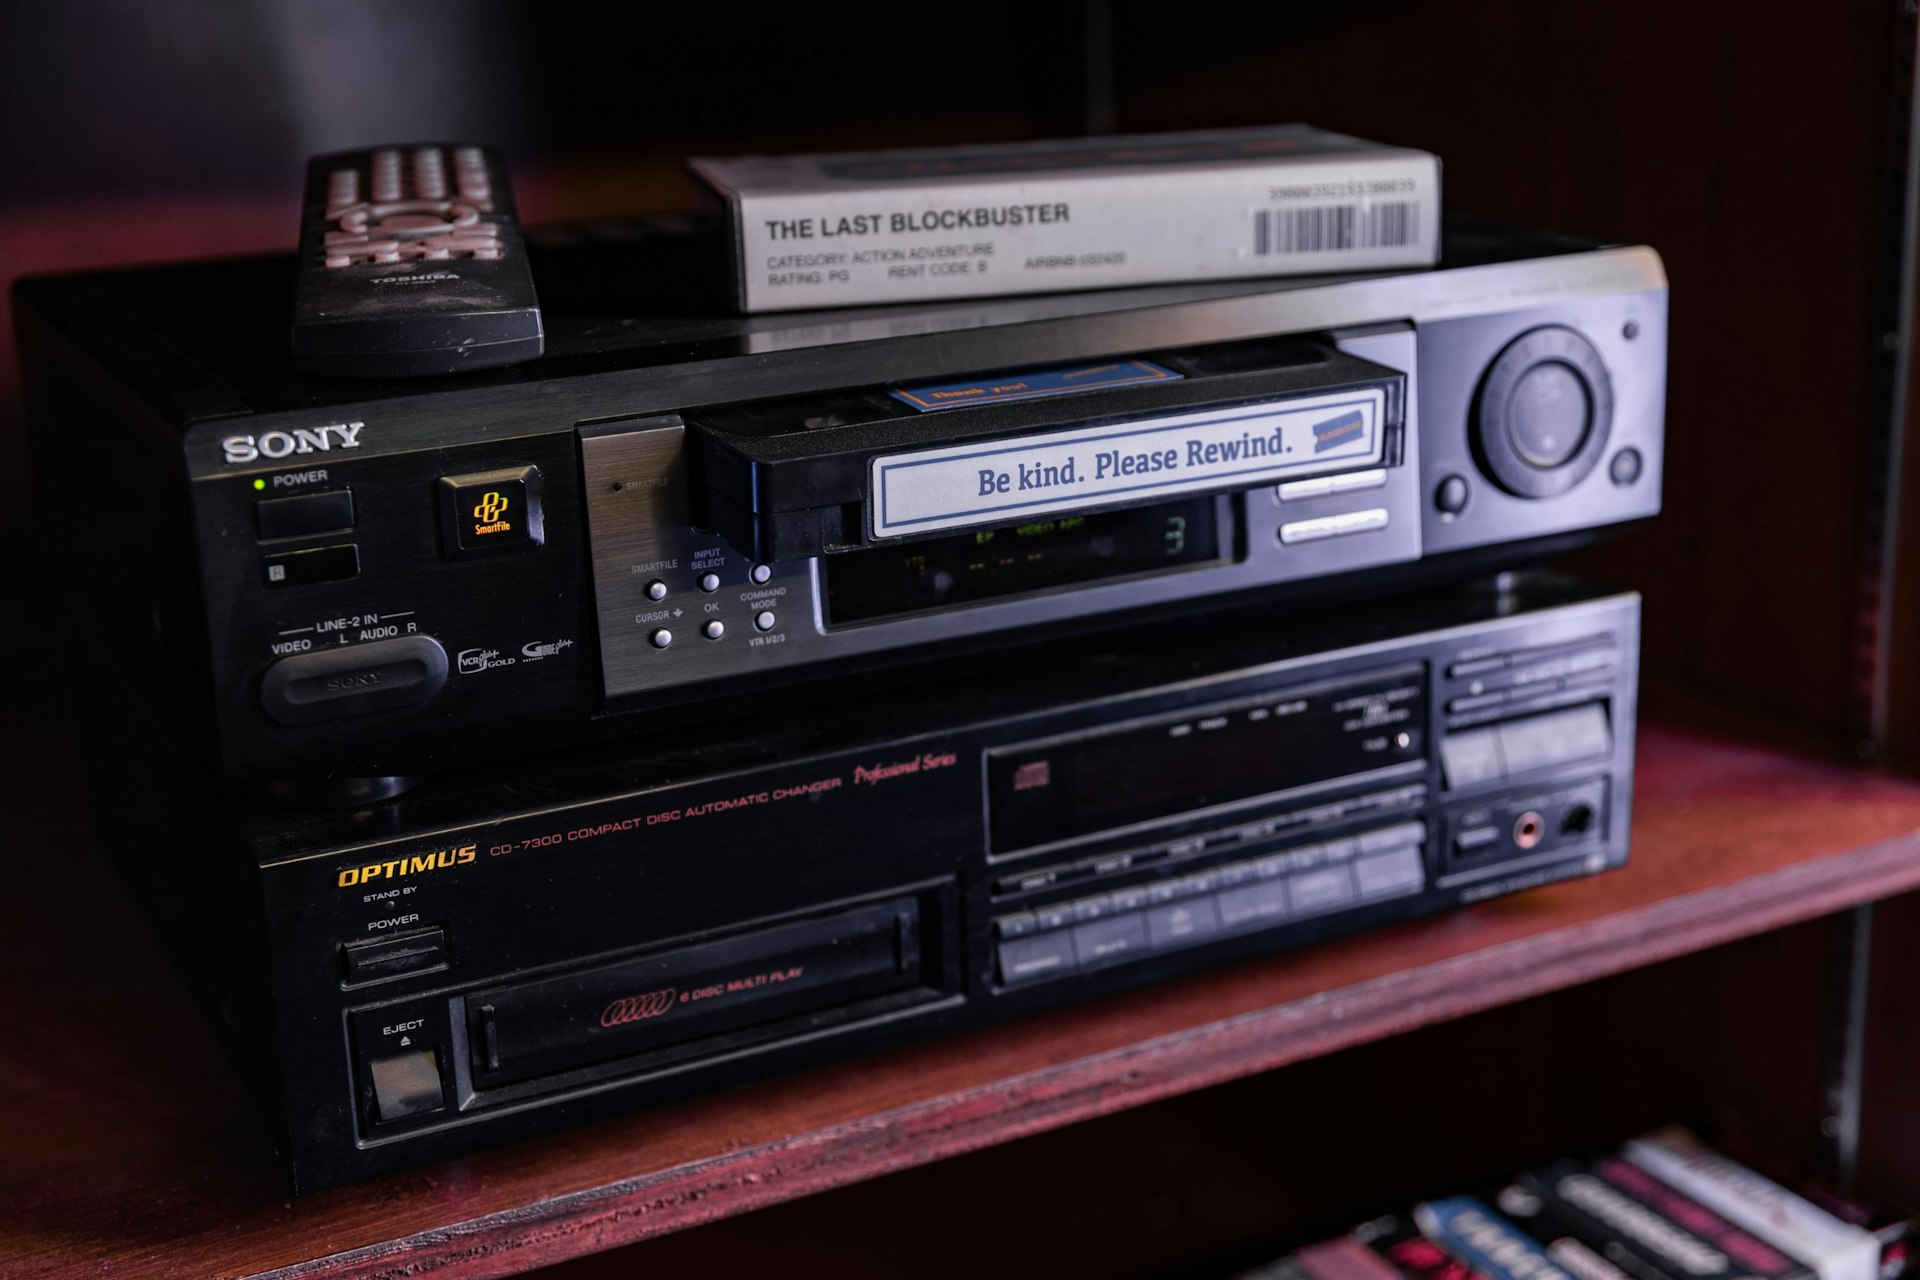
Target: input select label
[{"x": 1148, "y": 460}]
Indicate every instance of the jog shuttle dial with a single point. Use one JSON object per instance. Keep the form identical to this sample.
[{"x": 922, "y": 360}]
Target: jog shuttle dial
[{"x": 1544, "y": 412}]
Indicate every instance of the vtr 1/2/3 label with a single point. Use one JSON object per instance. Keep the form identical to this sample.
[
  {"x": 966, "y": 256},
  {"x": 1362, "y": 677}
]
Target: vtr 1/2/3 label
[{"x": 1147, "y": 460}]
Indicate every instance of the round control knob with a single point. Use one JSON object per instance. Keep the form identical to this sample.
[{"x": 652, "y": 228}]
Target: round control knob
[
  {"x": 656, "y": 590},
  {"x": 763, "y": 620},
  {"x": 661, "y": 638},
  {"x": 1450, "y": 497},
  {"x": 759, "y": 573},
  {"x": 714, "y": 629},
  {"x": 1543, "y": 413}
]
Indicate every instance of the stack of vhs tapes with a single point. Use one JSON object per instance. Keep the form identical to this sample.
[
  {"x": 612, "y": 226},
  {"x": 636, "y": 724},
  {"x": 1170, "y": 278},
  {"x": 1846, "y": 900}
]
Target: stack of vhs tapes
[
  {"x": 1665, "y": 1206},
  {"x": 653, "y": 700}
]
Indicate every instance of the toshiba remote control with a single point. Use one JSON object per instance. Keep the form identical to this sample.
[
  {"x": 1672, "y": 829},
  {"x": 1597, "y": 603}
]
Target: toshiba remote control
[{"x": 411, "y": 264}]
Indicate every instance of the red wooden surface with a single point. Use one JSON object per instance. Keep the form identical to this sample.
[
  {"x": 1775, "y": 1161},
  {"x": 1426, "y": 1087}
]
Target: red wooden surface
[{"x": 126, "y": 1145}]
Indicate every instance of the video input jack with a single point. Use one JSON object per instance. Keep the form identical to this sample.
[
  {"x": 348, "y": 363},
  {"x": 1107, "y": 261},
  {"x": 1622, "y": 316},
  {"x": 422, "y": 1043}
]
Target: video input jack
[{"x": 1527, "y": 829}]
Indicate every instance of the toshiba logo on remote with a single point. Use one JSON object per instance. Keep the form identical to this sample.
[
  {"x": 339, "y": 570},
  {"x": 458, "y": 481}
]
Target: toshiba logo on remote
[{"x": 285, "y": 444}]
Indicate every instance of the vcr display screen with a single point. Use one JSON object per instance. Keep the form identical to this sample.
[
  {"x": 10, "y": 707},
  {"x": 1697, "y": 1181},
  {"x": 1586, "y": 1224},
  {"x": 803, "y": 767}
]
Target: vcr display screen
[
  {"x": 1052, "y": 791},
  {"x": 988, "y": 563}
]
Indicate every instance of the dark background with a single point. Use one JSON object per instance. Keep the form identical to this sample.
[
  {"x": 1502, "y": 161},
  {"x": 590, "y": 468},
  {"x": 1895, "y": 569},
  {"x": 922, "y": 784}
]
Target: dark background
[{"x": 1759, "y": 146}]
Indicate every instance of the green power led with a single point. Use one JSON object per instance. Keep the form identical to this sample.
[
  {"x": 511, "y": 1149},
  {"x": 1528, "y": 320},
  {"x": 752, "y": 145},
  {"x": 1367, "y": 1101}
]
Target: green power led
[{"x": 259, "y": 484}]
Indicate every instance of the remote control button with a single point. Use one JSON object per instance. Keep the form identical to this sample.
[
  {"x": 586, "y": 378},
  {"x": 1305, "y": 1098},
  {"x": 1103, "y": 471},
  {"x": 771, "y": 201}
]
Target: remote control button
[
  {"x": 490, "y": 512},
  {"x": 407, "y": 1084},
  {"x": 714, "y": 629},
  {"x": 304, "y": 568},
  {"x": 304, "y": 515},
  {"x": 660, "y": 638},
  {"x": 354, "y": 679},
  {"x": 763, "y": 620},
  {"x": 656, "y": 590},
  {"x": 709, "y": 582},
  {"x": 760, "y": 573},
  {"x": 1450, "y": 497}
]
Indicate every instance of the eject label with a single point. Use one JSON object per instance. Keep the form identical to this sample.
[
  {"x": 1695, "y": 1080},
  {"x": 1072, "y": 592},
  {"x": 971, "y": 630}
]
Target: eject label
[{"x": 1145, "y": 460}]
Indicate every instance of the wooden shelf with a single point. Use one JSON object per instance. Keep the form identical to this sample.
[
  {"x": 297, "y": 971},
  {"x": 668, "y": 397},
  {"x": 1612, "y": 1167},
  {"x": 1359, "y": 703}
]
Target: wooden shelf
[{"x": 126, "y": 1142}]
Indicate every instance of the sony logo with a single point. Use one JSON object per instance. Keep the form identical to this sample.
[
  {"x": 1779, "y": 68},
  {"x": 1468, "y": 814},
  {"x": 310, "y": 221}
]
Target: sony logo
[{"x": 281, "y": 444}]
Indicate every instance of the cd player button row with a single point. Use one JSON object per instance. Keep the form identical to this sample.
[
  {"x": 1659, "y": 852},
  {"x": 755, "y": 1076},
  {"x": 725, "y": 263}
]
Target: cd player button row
[
  {"x": 1354, "y": 481},
  {"x": 406, "y": 1084},
  {"x": 1110, "y": 939},
  {"x": 1477, "y": 666},
  {"x": 392, "y": 957},
  {"x": 304, "y": 568},
  {"x": 1476, "y": 701},
  {"x": 1393, "y": 837},
  {"x": 1255, "y": 906},
  {"x": 709, "y": 582},
  {"x": 352, "y": 680},
  {"x": 1471, "y": 758},
  {"x": 1018, "y": 925},
  {"x": 1235, "y": 873},
  {"x": 763, "y": 620},
  {"x": 1164, "y": 891},
  {"x": 1180, "y": 923},
  {"x": 1327, "y": 889},
  {"x": 1341, "y": 850},
  {"x": 1295, "y": 490},
  {"x": 1390, "y": 875},
  {"x": 1201, "y": 882},
  {"x": 1029, "y": 959},
  {"x": 1129, "y": 899},
  {"x": 1058, "y": 916},
  {"x": 1270, "y": 867},
  {"x": 304, "y": 515},
  {"x": 1560, "y": 738},
  {"x": 1092, "y": 908}
]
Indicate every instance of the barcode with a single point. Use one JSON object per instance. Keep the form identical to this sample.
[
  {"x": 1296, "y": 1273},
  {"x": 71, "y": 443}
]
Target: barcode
[{"x": 1328, "y": 228}]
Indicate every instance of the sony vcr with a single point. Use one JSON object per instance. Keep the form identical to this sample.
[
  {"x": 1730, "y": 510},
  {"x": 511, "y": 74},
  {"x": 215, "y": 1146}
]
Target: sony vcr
[
  {"x": 353, "y": 578},
  {"x": 511, "y": 951}
]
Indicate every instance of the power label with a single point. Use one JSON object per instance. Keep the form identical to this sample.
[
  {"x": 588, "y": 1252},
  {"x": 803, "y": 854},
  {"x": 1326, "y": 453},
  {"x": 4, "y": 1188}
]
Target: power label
[{"x": 1146, "y": 460}]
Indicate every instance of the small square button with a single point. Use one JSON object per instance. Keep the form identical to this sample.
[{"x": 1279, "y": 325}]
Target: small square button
[
  {"x": 406, "y": 1084},
  {"x": 487, "y": 512}
]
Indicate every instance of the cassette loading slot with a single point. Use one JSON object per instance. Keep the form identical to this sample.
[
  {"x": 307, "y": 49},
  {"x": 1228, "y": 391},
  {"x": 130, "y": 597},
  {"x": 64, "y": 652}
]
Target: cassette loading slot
[
  {"x": 654, "y": 1002},
  {"x": 793, "y": 479}
]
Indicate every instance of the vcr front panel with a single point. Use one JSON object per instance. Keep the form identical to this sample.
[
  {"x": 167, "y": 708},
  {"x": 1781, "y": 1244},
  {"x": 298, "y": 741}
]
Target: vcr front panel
[{"x": 344, "y": 580}]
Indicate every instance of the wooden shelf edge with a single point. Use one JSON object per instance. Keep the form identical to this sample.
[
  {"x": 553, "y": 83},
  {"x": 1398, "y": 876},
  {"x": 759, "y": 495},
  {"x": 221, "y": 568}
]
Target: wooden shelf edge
[{"x": 631, "y": 1210}]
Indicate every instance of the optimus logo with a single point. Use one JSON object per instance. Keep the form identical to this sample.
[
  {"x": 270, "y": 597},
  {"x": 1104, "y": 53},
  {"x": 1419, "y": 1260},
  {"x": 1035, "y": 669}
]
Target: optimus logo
[
  {"x": 637, "y": 1008},
  {"x": 285, "y": 444}
]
